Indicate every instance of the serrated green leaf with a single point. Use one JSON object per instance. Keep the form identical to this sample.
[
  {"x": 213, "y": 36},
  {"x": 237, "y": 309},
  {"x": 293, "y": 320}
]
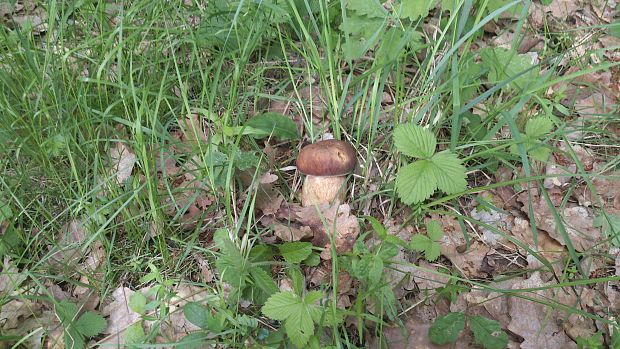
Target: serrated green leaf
[
  {"x": 363, "y": 33},
  {"x": 416, "y": 182},
  {"x": 415, "y": 9},
  {"x": 506, "y": 64},
  {"x": 414, "y": 140},
  {"x": 137, "y": 303},
  {"x": 247, "y": 321},
  {"x": 273, "y": 124},
  {"x": 230, "y": 263},
  {"x": 446, "y": 329},
  {"x": 197, "y": 314},
  {"x": 449, "y": 172},
  {"x": 386, "y": 250},
  {"x": 327, "y": 316},
  {"x": 297, "y": 278},
  {"x": 263, "y": 280},
  {"x": 422, "y": 243},
  {"x": 370, "y": 8},
  {"x": 73, "y": 339},
  {"x": 6, "y": 212},
  {"x": 300, "y": 327},
  {"x": 295, "y": 252},
  {"x": 296, "y": 314},
  {"x": 280, "y": 305},
  {"x": 376, "y": 270},
  {"x": 488, "y": 333},
  {"x": 534, "y": 148},
  {"x": 297, "y": 317},
  {"x": 313, "y": 297},
  {"x": 134, "y": 334},
  {"x": 538, "y": 127},
  {"x": 245, "y": 160},
  {"x": 392, "y": 45},
  {"x": 434, "y": 230},
  {"x": 90, "y": 324}
]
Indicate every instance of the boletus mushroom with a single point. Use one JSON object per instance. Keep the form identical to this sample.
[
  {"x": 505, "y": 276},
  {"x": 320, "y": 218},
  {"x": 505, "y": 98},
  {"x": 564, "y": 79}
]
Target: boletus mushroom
[{"x": 326, "y": 165}]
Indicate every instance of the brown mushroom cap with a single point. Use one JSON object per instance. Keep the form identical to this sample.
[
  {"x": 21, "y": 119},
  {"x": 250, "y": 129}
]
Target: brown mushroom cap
[{"x": 327, "y": 159}]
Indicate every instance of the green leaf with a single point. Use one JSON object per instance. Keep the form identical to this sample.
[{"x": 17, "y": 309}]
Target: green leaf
[
  {"x": 392, "y": 45},
  {"x": 506, "y": 64},
  {"x": 414, "y": 140},
  {"x": 197, "y": 314},
  {"x": 422, "y": 243},
  {"x": 416, "y": 182},
  {"x": 73, "y": 339},
  {"x": 90, "y": 324},
  {"x": 446, "y": 329},
  {"x": 297, "y": 278},
  {"x": 614, "y": 28},
  {"x": 488, "y": 333},
  {"x": 275, "y": 124},
  {"x": 194, "y": 340},
  {"x": 296, "y": 313},
  {"x": 281, "y": 305},
  {"x": 534, "y": 148},
  {"x": 295, "y": 252},
  {"x": 246, "y": 159},
  {"x": 137, "y": 303},
  {"x": 363, "y": 33},
  {"x": 386, "y": 250},
  {"x": 538, "y": 127},
  {"x": 449, "y": 172},
  {"x": 247, "y": 321},
  {"x": 134, "y": 334},
  {"x": 414, "y": 9},
  {"x": 370, "y": 8},
  {"x": 494, "y": 5},
  {"x": 231, "y": 264},
  {"x": 5, "y": 210},
  {"x": 263, "y": 280},
  {"x": 434, "y": 230},
  {"x": 376, "y": 270},
  {"x": 313, "y": 260}
]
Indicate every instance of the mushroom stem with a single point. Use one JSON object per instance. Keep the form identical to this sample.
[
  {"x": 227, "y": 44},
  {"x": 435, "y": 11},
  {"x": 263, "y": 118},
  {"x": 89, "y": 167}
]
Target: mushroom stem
[{"x": 320, "y": 190}]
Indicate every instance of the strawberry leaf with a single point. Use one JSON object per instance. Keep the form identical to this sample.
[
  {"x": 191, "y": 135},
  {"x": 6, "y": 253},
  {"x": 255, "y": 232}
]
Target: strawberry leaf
[
  {"x": 416, "y": 182},
  {"x": 415, "y": 141}
]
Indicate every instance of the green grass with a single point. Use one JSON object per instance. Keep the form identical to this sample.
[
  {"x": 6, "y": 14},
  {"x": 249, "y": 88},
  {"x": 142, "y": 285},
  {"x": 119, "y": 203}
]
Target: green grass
[{"x": 105, "y": 75}]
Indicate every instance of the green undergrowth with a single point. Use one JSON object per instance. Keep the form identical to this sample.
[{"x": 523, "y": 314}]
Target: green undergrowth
[{"x": 153, "y": 77}]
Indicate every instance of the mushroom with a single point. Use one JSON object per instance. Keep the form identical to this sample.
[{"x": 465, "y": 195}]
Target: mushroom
[{"x": 326, "y": 165}]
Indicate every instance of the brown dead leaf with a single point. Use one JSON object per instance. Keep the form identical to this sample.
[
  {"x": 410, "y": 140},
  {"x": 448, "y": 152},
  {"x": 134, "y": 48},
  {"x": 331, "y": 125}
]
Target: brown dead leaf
[
  {"x": 337, "y": 217},
  {"x": 119, "y": 316},
  {"x": 193, "y": 132},
  {"x": 532, "y": 321},
  {"x": 123, "y": 161},
  {"x": 414, "y": 335},
  {"x": 548, "y": 247},
  {"x": 292, "y": 233},
  {"x": 10, "y": 278},
  {"x": 578, "y": 222},
  {"x": 268, "y": 198},
  {"x": 561, "y": 9},
  {"x": 267, "y": 178},
  {"x": 67, "y": 250},
  {"x": 15, "y": 311},
  {"x": 454, "y": 247}
]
